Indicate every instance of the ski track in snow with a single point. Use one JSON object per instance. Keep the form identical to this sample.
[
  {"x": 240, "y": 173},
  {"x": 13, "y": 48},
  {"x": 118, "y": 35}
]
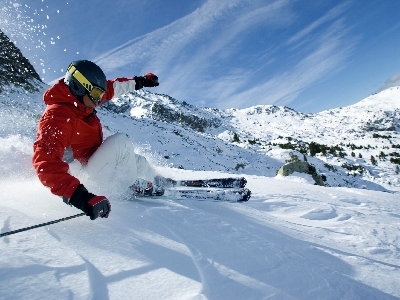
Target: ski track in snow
[{"x": 248, "y": 240}]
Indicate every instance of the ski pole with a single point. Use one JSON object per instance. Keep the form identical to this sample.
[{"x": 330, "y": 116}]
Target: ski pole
[{"x": 41, "y": 225}]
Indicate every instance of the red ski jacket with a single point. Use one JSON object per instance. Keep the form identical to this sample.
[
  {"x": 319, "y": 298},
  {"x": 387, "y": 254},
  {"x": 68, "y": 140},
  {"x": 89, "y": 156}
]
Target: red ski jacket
[{"x": 67, "y": 123}]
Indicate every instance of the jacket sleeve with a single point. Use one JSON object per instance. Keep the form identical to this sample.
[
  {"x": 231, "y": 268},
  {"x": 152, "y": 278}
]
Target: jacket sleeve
[
  {"x": 119, "y": 86},
  {"x": 53, "y": 136}
]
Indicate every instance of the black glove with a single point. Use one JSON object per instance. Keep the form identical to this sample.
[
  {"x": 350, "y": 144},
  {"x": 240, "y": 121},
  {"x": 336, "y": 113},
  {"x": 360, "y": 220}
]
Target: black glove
[
  {"x": 94, "y": 206},
  {"x": 148, "y": 80}
]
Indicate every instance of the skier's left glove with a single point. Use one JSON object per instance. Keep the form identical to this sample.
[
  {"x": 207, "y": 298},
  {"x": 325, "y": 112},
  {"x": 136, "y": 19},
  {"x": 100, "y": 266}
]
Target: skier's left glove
[
  {"x": 147, "y": 80},
  {"x": 94, "y": 206}
]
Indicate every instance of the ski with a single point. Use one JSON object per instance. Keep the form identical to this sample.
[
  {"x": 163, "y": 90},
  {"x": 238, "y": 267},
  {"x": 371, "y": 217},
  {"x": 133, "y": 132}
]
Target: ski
[
  {"x": 217, "y": 182},
  {"x": 143, "y": 188},
  {"x": 229, "y": 182}
]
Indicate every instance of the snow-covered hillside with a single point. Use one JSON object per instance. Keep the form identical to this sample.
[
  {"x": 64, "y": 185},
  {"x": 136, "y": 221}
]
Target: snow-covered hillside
[
  {"x": 292, "y": 240},
  {"x": 204, "y": 139}
]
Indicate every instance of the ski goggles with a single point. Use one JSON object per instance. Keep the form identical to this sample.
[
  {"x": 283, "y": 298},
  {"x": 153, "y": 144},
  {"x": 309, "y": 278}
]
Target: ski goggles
[{"x": 94, "y": 92}]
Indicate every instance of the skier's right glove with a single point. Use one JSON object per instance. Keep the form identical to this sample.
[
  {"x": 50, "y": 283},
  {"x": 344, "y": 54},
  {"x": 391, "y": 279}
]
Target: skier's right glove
[{"x": 94, "y": 206}]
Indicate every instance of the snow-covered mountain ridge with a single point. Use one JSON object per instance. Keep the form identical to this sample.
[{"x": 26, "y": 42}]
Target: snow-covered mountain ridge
[{"x": 379, "y": 112}]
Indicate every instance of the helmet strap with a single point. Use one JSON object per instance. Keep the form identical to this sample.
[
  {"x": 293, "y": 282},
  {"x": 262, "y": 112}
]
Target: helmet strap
[{"x": 80, "y": 99}]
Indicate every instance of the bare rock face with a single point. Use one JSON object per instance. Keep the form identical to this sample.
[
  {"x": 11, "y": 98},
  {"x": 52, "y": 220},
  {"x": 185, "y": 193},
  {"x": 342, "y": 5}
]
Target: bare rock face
[
  {"x": 15, "y": 69},
  {"x": 301, "y": 167}
]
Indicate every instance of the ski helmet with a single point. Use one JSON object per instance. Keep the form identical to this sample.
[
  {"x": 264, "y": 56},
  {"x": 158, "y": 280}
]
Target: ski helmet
[{"x": 84, "y": 76}]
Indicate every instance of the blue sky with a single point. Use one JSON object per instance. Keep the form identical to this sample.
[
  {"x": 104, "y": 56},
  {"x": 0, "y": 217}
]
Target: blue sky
[{"x": 307, "y": 55}]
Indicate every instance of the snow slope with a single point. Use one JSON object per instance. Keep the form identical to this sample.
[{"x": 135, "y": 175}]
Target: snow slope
[{"x": 292, "y": 240}]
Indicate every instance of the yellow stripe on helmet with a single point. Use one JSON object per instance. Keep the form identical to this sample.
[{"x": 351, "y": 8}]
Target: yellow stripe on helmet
[{"x": 79, "y": 76}]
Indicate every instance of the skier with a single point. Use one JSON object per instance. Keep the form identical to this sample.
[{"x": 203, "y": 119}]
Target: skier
[{"x": 70, "y": 129}]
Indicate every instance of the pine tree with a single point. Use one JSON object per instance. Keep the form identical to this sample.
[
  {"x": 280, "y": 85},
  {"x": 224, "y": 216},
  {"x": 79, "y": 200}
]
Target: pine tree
[
  {"x": 382, "y": 156},
  {"x": 314, "y": 148},
  {"x": 236, "y": 138}
]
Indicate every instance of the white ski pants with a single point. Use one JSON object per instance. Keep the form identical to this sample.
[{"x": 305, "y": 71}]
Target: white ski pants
[{"x": 115, "y": 166}]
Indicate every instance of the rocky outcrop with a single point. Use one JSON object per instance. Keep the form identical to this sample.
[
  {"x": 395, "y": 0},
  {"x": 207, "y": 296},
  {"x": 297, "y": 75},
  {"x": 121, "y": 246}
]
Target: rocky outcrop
[
  {"x": 15, "y": 69},
  {"x": 301, "y": 167}
]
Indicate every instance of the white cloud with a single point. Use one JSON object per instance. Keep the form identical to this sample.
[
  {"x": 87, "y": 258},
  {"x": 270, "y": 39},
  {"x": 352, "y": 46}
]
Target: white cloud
[
  {"x": 187, "y": 54},
  {"x": 163, "y": 45},
  {"x": 329, "y": 16},
  {"x": 330, "y": 54},
  {"x": 392, "y": 81}
]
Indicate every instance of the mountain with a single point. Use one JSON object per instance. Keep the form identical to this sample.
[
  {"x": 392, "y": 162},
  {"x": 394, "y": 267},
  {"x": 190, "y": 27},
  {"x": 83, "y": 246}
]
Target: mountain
[{"x": 15, "y": 69}]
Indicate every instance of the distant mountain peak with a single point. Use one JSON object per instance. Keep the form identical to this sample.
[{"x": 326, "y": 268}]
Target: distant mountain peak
[{"x": 388, "y": 99}]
